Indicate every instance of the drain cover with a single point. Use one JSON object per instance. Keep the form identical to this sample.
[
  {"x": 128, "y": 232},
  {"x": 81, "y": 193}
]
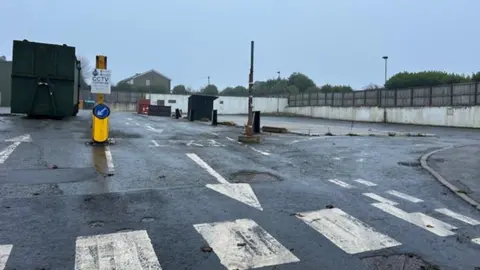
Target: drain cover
[{"x": 250, "y": 177}]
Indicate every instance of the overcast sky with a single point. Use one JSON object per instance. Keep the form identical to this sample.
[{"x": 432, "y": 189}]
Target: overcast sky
[{"x": 336, "y": 42}]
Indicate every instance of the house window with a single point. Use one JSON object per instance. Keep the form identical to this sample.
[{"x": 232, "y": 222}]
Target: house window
[
  {"x": 147, "y": 82},
  {"x": 221, "y": 101},
  {"x": 172, "y": 101}
]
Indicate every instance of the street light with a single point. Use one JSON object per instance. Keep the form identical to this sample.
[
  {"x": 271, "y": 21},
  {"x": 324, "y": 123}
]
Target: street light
[
  {"x": 278, "y": 72},
  {"x": 386, "y": 60}
]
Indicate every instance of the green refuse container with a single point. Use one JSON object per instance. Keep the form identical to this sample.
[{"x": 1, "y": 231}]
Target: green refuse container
[{"x": 45, "y": 80}]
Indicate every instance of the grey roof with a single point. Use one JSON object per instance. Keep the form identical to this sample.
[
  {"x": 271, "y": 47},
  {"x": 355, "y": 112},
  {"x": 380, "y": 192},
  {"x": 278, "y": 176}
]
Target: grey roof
[{"x": 148, "y": 71}]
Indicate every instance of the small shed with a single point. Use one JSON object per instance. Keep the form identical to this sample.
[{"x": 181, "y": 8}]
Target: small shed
[{"x": 201, "y": 106}]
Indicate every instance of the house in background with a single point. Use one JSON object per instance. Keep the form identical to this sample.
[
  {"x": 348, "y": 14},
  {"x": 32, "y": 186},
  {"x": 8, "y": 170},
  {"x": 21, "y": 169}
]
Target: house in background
[{"x": 148, "y": 78}]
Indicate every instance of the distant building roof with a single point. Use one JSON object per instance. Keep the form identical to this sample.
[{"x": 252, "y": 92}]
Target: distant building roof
[{"x": 141, "y": 74}]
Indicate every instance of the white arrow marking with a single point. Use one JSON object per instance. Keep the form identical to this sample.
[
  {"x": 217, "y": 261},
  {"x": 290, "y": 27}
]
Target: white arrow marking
[
  {"x": 240, "y": 192},
  {"x": 21, "y": 138},
  {"x": 8, "y": 151}
]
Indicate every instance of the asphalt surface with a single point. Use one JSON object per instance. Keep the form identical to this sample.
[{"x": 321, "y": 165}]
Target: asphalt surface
[
  {"x": 460, "y": 166},
  {"x": 69, "y": 205}
]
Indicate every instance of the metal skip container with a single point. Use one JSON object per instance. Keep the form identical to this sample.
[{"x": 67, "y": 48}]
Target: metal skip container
[{"x": 45, "y": 80}]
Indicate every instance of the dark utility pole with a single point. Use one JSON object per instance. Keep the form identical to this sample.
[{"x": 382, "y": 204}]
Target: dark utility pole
[
  {"x": 249, "y": 130},
  {"x": 208, "y": 80},
  {"x": 386, "y": 65}
]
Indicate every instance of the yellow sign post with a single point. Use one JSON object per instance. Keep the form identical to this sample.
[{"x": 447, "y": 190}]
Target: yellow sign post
[{"x": 101, "y": 112}]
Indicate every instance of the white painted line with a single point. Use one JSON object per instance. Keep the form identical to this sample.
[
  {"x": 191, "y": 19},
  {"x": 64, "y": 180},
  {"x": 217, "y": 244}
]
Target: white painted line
[
  {"x": 347, "y": 232},
  {"x": 21, "y": 138},
  {"x": 155, "y": 143},
  {"x": 476, "y": 241},
  {"x": 365, "y": 182},
  {"x": 127, "y": 123},
  {"x": 4, "y": 254},
  {"x": 153, "y": 129},
  {"x": 215, "y": 134},
  {"x": 108, "y": 157},
  {"x": 209, "y": 169},
  {"x": 259, "y": 151},
  {"x": 8, "y": 151},
  {"x": 126, "y": 250},
  {"x": 137, "y": 124},
  {"x": 421, "y": 220},
  {"x": 458, "y": 216},
  {"x": 190, "y": 142},
  {"x": 243, "y": 244},
  {"x": 404, "y": 196},
  {"x": 380, "y": 198},
  {"x": 230, "y": 139},
  {"x": 340, "y": 183},
  {"x": 129, "y": 119},
  {"x": 197, "y": 144},
  {"x": 337, "y": 158}
]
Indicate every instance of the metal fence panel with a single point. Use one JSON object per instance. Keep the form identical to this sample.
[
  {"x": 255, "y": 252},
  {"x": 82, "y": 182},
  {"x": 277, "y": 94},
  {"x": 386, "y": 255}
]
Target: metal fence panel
[
  {"x": 359, "y": 98},
  {"x": 329, "y": 101},
  {"x": 404, "y": 98},
  {"x": 388, "y": 98},
  {"x": 321, "y": 99},
  {"x": 337, "y": 99}
]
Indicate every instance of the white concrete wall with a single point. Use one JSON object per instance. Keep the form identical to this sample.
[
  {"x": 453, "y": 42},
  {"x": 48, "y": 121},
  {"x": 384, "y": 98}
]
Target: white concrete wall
[
  {"x": 365, "y": 114},
  {"x": 437, "y": 116},
  {"x": 225, "y": 104},
  {"x": 123, "y": 107}
]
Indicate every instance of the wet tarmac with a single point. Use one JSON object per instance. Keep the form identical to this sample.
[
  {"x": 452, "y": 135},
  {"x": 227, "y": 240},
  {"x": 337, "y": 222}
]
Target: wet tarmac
[{"x": 171, "y": 194}]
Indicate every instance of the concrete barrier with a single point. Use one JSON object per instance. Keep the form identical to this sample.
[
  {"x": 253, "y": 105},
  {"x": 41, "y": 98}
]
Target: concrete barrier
[{"x": 435, "y": 116}]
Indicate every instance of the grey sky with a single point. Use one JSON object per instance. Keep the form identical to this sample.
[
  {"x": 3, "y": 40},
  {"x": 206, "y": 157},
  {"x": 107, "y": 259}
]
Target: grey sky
[{"x": 336, "y": 42}]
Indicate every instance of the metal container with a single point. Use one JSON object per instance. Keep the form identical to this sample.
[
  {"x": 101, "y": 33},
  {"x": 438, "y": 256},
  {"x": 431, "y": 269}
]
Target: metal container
[{"x": 45, "y": 79}]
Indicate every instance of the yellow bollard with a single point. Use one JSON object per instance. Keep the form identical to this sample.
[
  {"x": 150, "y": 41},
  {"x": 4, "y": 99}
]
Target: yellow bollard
[{"x": 100, "y": 112}]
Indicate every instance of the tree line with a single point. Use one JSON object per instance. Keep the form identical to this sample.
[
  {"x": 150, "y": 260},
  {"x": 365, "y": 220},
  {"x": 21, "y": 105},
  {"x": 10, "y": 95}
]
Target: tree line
[{"x": 298, "y": 83}]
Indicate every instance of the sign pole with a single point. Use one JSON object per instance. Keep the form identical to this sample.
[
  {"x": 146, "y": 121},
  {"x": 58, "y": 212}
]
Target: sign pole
[
  {"x": 101, "y": 63},
  {"x": 249, "y": 130}
]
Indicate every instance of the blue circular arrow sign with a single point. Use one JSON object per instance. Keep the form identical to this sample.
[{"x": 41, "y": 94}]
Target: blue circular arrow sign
[{"x": 101, "y": 111}]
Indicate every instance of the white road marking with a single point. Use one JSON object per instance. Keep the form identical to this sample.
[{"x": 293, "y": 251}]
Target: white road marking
[
  {"x": 476, "y": 241},
  {"x": 127, "y": 123},
  {"x": 404, "y": 196},
  {"x": 340, "y": 183},
  {"x": 243, "y": 244},
  {"x": 137, "y": 124},
  {"x": 153, "y": 129},
  {"x": 347, "y": 232},
  {"x": 121, "y": 251},
  {"x": 129, "y": 119},
  {"x": 197, "y": 144},
  {"x": 421, "y": 220},
  {"x": 230, "y": 139},
  {"x": 380, "y": 198},
  {"x": 5, "y": 153},
  {"x": 337, "y": 158},
  {"x": 209, "y": 169},
  {"x": 108, "y": 157},
  {"x": 155, "y": 143},
  {"x": 190, "y": 142},
  {"x": 4, "y": 254},
  {"x": 365, "y": 182},
  {"x": 215, "y": 134},
  {"x": 21, "y": 138},
  {"x": 240, "y": 192},
  {"x": 458, "y": 216},
  {"x": 259, "y": 151}
]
